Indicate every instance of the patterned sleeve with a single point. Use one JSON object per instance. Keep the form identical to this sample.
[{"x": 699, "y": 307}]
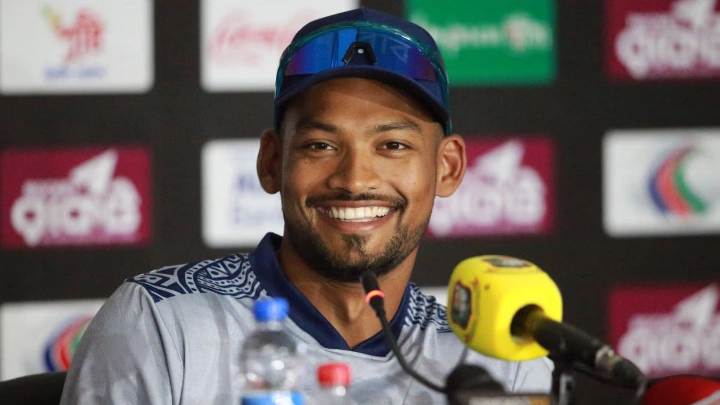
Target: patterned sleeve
[{"x": 126, "y": 356}]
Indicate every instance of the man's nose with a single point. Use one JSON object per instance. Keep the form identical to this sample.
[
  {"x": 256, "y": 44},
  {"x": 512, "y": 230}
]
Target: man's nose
[{"x": 355, "y": 172}]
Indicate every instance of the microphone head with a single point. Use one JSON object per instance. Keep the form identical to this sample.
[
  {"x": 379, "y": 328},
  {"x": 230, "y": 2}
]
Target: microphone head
[
  {"x": 681, "y": 390},
  {"x": 484, "y": 295},
  {"x": 369, "y": 281},
  {"x": 471, "y": 377}
]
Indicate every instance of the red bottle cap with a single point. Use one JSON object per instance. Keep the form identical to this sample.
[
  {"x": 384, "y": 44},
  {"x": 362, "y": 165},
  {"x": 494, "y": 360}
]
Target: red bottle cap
[{"x": 334, "y": 374}]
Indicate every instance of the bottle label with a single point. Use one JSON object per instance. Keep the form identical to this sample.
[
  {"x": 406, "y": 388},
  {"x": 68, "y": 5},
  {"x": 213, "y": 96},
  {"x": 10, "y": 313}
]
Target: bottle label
[{"x": 273, "y": 398}]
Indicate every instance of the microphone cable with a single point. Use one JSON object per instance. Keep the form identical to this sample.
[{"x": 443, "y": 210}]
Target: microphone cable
[{"x": 375, "y": 298}]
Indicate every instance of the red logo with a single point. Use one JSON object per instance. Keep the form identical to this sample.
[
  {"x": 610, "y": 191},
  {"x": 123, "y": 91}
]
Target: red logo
[
  {"x": 75, "y": 197},
  {"x": 240, "y": 39},
  {"x": 667, "y": 330},
  {"x": 83, "y": 36},
  {"x": 508, "y": 189},
  {"x": 663, "y": 39}
]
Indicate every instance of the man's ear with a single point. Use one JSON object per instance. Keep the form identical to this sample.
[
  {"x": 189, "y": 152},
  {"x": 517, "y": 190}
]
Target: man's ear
[
  {"x": 269, "y": 161},
  {"x": 451, "y": 165}
]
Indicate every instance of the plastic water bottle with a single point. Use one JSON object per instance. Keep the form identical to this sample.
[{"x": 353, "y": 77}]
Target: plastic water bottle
[
  {"x": 334, "y": 380},
  {"x": 271, "y": 361}
]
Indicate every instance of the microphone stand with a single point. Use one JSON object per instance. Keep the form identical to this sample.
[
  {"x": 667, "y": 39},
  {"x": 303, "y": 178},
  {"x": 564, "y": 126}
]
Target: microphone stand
[{"x": 563, "y": 381}]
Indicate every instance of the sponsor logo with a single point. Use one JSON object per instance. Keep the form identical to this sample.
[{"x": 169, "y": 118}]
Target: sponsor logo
[
  {"x": 38, "y": 337},
  {"x": 667, "y": 331},
  {"x": 662, "y": 182},
  {"x": 664, "y": 39},
  {"x": 61, "y": 346},
  {"x": 70, "y": 47},
  {"x": 238, "y": 39},
  {"x": 83, "y": 38},
  {"x": 507, "y": 189},
  {"x": 490, "y": 42},
  {"x": 242, "y": 41},
  {"x": 236, "y": 210},
  {"x": 94, "y": 202},
  {"x": 670, "y": 187},
  {"x": 518, "y": 32}
]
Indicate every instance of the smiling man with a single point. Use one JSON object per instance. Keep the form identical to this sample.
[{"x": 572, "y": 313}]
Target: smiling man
[
  {"x": 361, "y": 146},
  {"x": 358, "y": 164}
]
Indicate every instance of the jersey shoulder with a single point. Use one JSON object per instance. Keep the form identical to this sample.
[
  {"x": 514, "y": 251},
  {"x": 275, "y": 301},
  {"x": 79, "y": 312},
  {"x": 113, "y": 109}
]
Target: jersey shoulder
[
  {"x": 425, "y": 310},
  {"x": 231, "y": 275}
]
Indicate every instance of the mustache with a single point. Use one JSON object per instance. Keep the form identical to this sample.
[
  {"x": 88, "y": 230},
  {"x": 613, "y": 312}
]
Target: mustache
[{"x": 394, "y": 201}]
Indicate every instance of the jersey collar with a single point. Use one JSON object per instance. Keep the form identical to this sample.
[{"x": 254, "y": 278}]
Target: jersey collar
[{"x": 273, "y": 280}]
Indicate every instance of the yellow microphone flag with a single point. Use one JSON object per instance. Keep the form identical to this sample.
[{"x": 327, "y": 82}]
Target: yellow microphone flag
[{"x": 485, "y": 293}]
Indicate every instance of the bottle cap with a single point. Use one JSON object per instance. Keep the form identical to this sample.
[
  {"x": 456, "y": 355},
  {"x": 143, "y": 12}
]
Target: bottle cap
[
  {"x": 334, "y": 374},
  {"x": 270, "y": 309}
]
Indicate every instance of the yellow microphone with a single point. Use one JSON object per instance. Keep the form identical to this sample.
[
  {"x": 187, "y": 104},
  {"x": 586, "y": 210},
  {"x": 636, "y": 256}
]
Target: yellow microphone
[
  {"x": 509, "y": 309},
  {"x": 485, "y": 294}
]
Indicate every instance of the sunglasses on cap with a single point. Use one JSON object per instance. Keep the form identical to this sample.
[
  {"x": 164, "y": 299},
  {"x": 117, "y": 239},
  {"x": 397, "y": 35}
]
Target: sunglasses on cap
[{"x": 367, "y": 44}]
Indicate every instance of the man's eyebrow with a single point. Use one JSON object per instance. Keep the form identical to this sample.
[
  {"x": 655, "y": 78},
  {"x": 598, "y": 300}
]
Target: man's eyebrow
[
  {"x": 308, "y": 124},
  {"x": 395, "y": 125}
]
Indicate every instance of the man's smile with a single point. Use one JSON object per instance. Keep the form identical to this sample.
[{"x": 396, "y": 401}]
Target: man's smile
[{"x": 355, "y": 214}]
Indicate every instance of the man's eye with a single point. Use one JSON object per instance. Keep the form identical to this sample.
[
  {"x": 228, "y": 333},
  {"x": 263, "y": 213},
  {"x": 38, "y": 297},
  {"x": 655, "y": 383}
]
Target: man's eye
[
  {"x": 395, "y": 146},
  {"x": 319, "y": 146}
]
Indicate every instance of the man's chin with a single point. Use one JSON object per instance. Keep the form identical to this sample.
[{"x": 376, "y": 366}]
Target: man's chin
[{"x": 344, "y": 257}]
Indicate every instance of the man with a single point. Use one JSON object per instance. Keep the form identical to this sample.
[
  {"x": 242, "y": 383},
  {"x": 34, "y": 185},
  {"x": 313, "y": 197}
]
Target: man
[{"x": 362, "y": 145}]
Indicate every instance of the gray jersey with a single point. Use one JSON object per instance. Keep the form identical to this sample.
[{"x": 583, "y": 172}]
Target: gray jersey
[{"x": 173, "y": 336}]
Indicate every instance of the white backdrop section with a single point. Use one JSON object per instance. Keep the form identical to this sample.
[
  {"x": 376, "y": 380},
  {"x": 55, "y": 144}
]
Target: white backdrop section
[
  {"x": 236, "y": 211},
  {"x": 242, "y": 40},
  {"x": 661, "y": 182},
  {"x": 76, "y": 46},
  {"x": 37, "y": 337},
  {"x": 440, "y": 293}
]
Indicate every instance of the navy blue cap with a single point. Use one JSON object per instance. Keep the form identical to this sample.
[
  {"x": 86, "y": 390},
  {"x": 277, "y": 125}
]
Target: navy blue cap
[
  {"x": 270, "y": 309},
  {"x": 434, "y": 95}
]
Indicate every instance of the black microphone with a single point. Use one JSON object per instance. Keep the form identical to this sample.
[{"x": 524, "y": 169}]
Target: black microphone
[
  {"x": 570, "y": 344},
  {"x": 469, "y": 377},
  {"x": 473, "y": 385},
  {"x": 519, "y": 298},
  {"x": 375, "y": 297}
]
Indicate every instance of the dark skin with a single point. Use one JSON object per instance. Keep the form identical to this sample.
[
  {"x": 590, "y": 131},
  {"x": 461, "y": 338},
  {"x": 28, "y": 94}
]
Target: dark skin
[{"x": 358, "y": 166}]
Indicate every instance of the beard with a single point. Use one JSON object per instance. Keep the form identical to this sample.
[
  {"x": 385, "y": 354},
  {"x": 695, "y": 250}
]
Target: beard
[{"x": 341, "y": 266}]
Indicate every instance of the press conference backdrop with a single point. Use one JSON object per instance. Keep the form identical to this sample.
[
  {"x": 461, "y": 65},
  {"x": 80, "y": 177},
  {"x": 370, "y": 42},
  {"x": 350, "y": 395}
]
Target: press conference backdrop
[{"x": 129, "y": 129}]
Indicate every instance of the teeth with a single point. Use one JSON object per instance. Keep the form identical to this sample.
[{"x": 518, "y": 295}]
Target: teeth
[{"x": 355, "y": 214}]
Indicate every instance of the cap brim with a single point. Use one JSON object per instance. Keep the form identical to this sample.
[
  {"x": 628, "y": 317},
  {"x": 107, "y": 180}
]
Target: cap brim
[{"x": 414, "y": 88}]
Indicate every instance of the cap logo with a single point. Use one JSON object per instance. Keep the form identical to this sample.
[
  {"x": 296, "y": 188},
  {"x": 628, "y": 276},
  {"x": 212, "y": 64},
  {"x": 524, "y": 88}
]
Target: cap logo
[{"x": 359, "y": 53}]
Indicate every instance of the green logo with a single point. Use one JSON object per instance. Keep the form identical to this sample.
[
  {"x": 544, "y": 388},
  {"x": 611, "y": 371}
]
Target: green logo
[{"x": 491, "y": 41}]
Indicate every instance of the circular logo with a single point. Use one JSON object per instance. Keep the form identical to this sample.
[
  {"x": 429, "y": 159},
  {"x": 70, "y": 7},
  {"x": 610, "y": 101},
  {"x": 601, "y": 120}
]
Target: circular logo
[{"x": 60, "y": 348}]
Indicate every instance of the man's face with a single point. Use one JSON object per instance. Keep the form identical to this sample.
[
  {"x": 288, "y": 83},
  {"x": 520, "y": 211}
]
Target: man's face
[{"x": 358, "y": 176}]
